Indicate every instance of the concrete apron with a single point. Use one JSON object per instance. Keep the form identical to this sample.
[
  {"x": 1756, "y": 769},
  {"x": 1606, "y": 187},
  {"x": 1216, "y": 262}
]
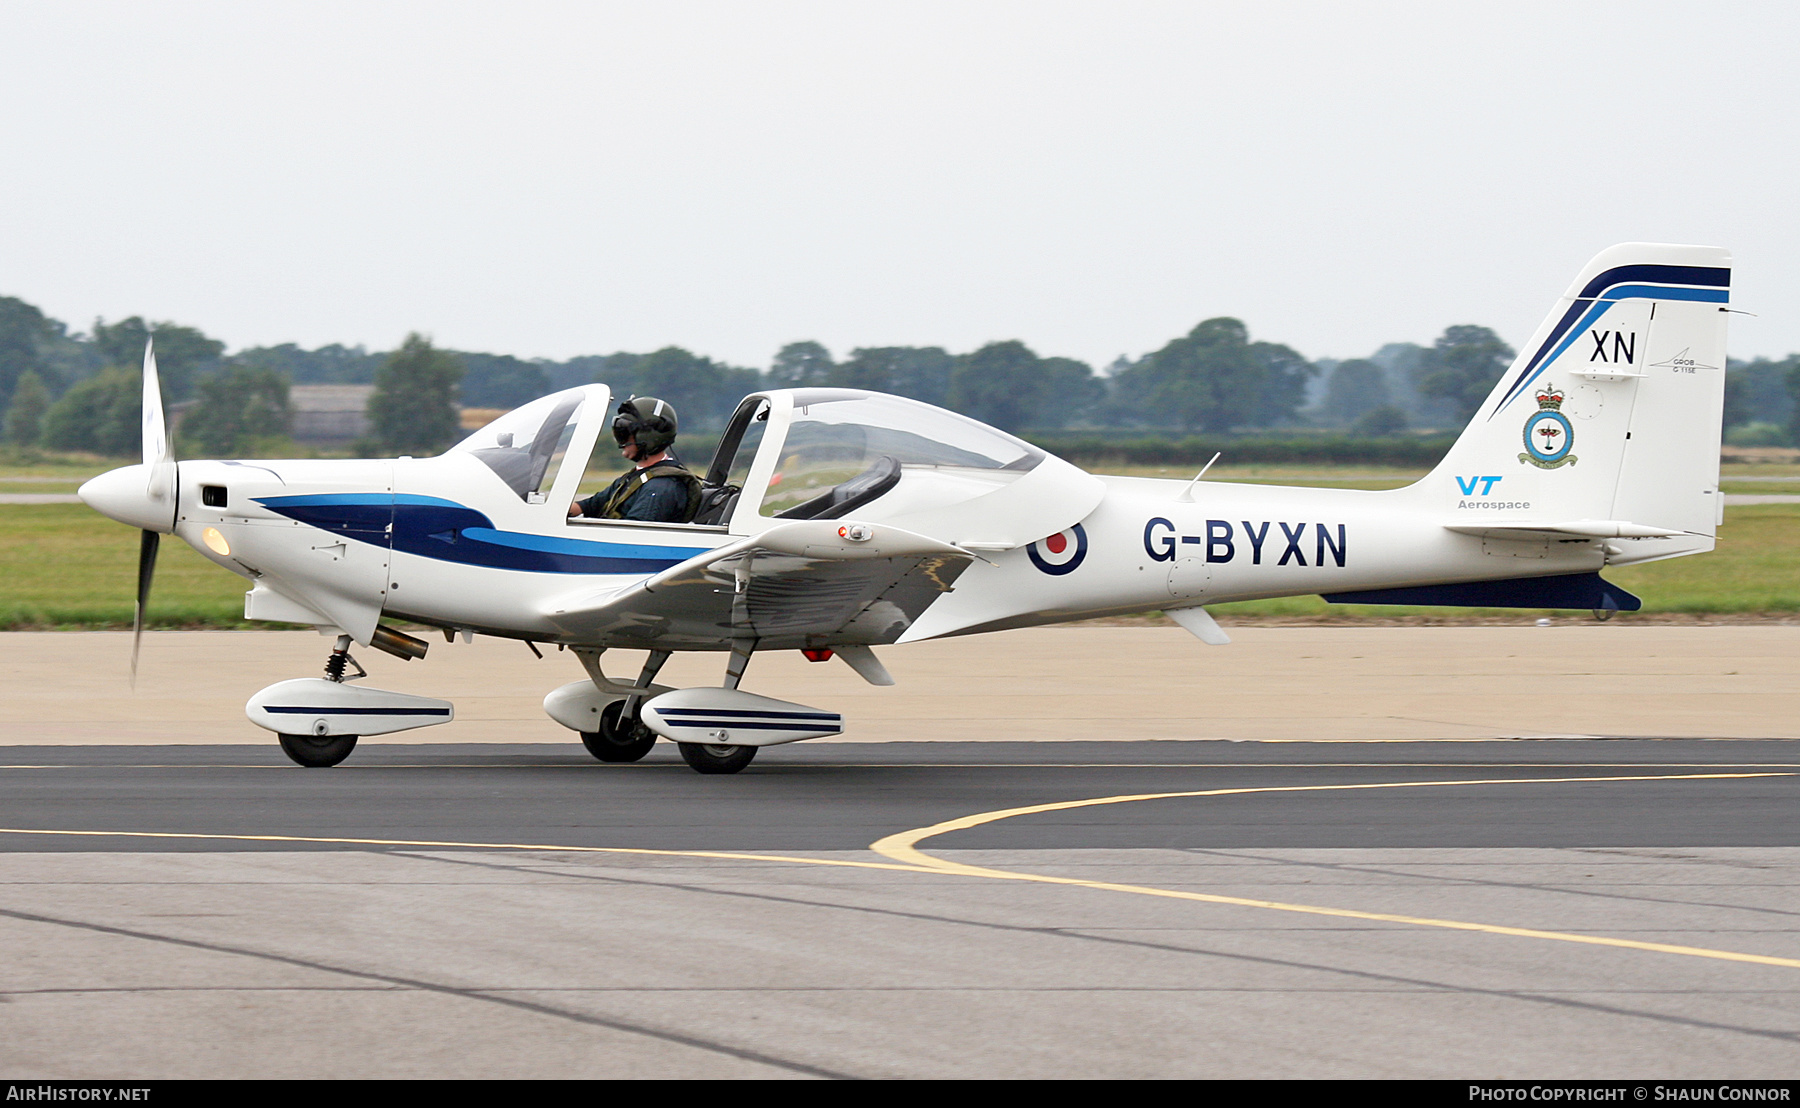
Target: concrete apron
[{"x": 1288, "y": 684}]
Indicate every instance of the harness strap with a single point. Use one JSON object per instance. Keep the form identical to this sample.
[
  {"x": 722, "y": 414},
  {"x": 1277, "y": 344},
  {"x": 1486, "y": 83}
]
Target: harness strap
[{"x": 615, "y": 504}]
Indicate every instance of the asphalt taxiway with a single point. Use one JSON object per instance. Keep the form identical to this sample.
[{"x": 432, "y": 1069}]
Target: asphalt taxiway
[
  {"x": 1563, "y": 908},
  {"x": 1456, "y": 907},
  {"x": 841, "y": 796}
]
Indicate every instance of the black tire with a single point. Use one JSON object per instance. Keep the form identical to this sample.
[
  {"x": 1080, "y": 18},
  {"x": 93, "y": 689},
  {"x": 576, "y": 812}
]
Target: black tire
[
  {"x": 716, "y": 758},
  {"x": 615, "y": 744},
  {"x": 318, "y": 751}
]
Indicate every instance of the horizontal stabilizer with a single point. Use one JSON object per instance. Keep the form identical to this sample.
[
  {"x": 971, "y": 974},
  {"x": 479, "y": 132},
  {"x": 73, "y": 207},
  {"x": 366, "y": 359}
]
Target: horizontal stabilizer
[
  {"x": 1570, "y": 590},
  {"x": 1580, "y": 528}
]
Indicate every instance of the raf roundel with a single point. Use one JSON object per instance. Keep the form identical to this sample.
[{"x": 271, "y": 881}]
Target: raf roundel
[{"x": 1060, "y": 553}]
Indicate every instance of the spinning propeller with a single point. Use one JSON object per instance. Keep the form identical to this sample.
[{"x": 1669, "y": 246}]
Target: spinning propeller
[{"x": 142, "y": 495}]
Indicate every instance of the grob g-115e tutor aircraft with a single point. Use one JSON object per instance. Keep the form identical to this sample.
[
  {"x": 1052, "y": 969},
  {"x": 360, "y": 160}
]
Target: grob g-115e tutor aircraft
[{"x": 833, "y": 521}]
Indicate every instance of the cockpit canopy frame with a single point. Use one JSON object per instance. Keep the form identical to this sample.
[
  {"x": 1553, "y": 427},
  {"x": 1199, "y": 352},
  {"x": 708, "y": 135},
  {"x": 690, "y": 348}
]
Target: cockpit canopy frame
[{"x": 834, "y": 453}]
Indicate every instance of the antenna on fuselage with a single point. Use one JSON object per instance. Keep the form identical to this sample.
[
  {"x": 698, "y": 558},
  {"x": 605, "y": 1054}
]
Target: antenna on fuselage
[{"x": 1187, "y": 494}]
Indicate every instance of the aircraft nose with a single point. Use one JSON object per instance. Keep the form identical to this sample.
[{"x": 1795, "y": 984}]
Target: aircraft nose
[{"x": 124, "y": 494}]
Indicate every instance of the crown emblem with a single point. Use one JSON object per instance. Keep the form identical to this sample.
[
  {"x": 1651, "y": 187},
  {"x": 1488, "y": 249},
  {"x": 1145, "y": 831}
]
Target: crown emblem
[{"x": 1548, "y": 433}]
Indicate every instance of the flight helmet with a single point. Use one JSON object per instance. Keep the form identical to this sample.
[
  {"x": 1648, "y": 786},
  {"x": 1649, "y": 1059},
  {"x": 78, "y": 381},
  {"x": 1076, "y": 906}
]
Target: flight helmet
[{"x": 649, "y": 420}]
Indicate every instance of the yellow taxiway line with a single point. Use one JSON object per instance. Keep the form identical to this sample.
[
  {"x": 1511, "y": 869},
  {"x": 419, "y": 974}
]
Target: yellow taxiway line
[
  {"x": 329, "y": 840},
  {"x": 903, "y": 849},
  {"x": 636, "y": 767}
]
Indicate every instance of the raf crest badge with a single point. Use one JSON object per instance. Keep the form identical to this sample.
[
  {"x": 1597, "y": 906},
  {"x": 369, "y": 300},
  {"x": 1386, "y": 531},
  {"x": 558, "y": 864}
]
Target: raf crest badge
[{"x": 1548, "y": 433}]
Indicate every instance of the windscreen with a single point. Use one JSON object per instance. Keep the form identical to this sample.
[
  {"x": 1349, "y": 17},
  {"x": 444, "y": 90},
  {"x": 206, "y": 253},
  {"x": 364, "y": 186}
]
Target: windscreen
[{"x": 525, "y": 446}]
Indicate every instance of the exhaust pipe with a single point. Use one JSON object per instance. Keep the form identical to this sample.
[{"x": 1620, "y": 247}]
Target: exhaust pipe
[{"x": 399, "y": 644}]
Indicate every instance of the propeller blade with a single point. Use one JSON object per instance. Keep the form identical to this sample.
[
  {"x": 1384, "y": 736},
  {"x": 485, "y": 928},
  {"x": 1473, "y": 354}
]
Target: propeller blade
[
  {"x": 159, "y": 457},
  {"x": 156, "y": 432},
  {"x": 147, "y": 544}
]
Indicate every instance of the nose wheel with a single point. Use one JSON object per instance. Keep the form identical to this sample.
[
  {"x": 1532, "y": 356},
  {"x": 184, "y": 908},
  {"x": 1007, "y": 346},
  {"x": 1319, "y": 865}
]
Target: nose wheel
[{"x": 318, "y": 751}]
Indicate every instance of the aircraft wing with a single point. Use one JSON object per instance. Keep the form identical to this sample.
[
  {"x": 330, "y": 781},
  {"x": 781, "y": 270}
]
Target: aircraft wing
[{"x": 805, "y": 583}]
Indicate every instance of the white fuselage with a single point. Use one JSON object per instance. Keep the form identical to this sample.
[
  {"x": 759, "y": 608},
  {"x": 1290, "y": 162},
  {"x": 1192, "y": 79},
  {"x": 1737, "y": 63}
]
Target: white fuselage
[{"x": 1149, "y": 544}]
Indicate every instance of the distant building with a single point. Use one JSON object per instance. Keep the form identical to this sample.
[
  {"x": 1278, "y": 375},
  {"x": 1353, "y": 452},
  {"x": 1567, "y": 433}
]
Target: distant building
[
  {"x": 337, "y": 415},
  {"x": 330, "y": 413}
]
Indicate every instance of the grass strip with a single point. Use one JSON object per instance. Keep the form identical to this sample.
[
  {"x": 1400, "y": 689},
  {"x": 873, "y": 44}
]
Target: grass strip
[{"x": 64, "y": 567}]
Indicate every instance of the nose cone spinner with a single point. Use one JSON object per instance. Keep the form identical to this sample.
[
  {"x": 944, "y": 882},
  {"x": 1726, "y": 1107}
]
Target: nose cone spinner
[{"x": 138, "y": 495}]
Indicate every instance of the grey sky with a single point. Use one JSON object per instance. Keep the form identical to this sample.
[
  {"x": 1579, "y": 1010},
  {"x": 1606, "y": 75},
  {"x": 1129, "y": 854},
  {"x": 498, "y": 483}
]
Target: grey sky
[{"x": 1093, "y": 178}]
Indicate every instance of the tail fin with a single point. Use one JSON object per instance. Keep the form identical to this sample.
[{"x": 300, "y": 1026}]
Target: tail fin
[{"x": 1612, "y": 411}]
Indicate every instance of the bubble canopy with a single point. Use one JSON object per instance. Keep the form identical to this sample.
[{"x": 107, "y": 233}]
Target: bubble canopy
[
  {"x": 835, "y": 436},
  {"x": 525, "y": 446},
  {"x": 910, "y": 432}
]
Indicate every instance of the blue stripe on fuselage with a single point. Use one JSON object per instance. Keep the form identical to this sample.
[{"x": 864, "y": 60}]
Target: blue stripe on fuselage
[
  {"x": 446, "y": 531},
  {"x": 361, "y": 516}
]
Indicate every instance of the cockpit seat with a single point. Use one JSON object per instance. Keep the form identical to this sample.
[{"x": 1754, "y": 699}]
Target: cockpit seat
[
  {"x": 716, "y": 504},
  {"x": 842, "y": 499}
]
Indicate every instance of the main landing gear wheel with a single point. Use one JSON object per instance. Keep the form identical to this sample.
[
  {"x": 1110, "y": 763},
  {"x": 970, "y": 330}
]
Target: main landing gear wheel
[
  {"x": 613, "y": 743},
  {"x": 317, "y": 751},
  {"x": 716, "y": 758}
]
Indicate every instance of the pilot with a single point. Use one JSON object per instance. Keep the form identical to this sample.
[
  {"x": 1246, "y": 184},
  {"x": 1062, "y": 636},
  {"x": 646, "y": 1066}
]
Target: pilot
[{"x": 659, "y": 489}]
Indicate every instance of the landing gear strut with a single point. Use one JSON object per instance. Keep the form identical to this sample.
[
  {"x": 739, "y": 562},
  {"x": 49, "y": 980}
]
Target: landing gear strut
[
  {"x": 340, "y": 657},
  {"x": 623, "y": 737},
  {"x": 320, "y": 751}
]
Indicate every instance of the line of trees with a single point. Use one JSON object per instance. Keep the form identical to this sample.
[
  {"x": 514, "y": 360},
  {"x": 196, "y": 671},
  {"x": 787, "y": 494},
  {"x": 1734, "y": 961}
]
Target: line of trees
[
  {"x": 69, "y": 391},
  {"x": 1762, "y": 402}
]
